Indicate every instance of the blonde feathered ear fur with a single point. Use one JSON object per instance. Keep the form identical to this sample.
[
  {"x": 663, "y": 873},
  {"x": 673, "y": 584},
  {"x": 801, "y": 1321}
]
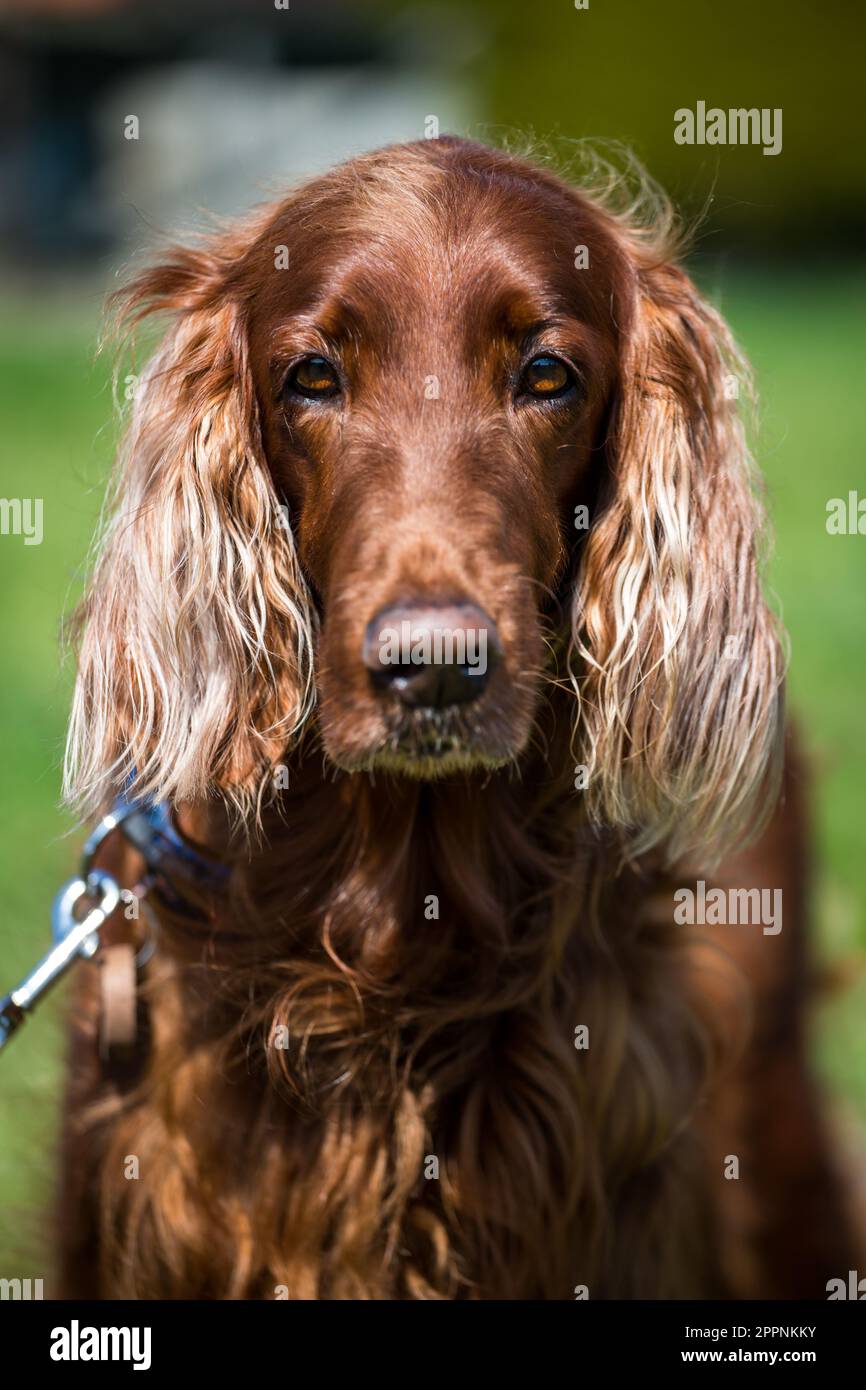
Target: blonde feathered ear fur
[
  {"x": 195, "y": 634},
  {"x": 676, "y": 658}
]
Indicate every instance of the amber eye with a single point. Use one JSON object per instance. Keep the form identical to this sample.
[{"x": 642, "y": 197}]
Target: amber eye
[
  {"x": 314, "y": 378},
  {"x": 546, "y": 377}
]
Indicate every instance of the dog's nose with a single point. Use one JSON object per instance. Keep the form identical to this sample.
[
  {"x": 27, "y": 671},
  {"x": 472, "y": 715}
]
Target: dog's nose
[{"x": 432, "y": 655}]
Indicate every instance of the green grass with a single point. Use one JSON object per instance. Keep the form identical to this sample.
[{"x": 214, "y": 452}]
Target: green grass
[
  {"x": 805, "y": 338},
  {"x": 53, "y": 408}
]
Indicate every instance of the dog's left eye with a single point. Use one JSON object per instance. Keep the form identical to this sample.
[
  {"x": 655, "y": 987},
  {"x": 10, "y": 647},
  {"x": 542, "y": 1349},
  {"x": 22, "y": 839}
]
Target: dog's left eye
[
  {"x": 315, "y": 378},
  {"x": 545, "y": 378}
]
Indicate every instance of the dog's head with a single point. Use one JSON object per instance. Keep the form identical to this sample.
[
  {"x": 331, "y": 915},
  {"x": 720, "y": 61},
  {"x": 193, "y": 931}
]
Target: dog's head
[{"x": 408, "y": 424}]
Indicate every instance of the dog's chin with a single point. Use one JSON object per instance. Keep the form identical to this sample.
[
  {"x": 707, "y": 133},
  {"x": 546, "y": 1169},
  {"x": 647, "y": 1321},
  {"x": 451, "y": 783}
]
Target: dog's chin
[
  {"x": 434, "y": 766},
  {"x": 428, "y": 747}
]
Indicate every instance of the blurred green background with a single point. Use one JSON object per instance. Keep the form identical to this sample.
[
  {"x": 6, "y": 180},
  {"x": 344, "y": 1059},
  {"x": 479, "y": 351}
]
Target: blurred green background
[{"x": 778, "y": 252}]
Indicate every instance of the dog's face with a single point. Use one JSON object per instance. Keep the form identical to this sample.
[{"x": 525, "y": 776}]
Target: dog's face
[
  {"x": 431, "y": 389},
  {"x": 428, "y": 359}
]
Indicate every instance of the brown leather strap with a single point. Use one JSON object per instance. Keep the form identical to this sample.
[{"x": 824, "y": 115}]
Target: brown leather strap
[{"x": 117, "y": 980}]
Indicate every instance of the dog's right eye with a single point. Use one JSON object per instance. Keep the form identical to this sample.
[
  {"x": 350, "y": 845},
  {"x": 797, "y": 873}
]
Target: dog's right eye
[
  {"x": 314, "y": 378},
  {"x": 545, "y": 378}
]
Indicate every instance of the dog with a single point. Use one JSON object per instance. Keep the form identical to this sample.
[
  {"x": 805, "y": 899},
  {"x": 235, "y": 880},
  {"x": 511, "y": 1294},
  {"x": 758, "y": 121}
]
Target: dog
[{"x": 429, "y": 604}]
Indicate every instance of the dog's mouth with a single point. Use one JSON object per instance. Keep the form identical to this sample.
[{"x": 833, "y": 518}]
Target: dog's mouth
[
  {"x": 442, "y": 737},
  {"x": 430, "y": 734},
  {"x": 430, "y": 743}
]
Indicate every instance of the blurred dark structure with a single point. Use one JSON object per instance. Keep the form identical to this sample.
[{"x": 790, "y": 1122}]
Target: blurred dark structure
[{"x": 72, "y": 70}]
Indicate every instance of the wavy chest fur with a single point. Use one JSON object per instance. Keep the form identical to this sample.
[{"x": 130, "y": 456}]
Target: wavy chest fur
[{"x": 364, "y": 1082}]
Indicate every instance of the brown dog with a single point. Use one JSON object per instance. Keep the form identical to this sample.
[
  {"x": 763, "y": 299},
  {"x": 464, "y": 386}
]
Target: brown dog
[{"x": 430, "y": 603}]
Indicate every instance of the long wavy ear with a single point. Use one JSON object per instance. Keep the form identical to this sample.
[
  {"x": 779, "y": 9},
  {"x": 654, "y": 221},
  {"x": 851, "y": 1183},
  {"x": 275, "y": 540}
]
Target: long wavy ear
[
  {"x": 194, "y": 636},
  {"x": 676, "y": 657}
]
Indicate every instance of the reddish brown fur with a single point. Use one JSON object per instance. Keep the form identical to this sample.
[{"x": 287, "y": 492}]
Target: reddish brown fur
[{"x": 453, "y": 1037}]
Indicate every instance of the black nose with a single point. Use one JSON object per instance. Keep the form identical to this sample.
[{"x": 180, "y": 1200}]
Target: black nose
[{"x": 432, "y": 655}]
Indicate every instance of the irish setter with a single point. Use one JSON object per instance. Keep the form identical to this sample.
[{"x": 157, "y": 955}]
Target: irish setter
[{"x": 442, "y": 1035}]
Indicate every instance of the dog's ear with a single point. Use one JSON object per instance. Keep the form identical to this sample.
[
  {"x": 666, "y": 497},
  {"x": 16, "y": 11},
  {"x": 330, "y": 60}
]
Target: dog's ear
[
  {"x": 194, "y": 637},
  {"x": 677, "y": 659}
]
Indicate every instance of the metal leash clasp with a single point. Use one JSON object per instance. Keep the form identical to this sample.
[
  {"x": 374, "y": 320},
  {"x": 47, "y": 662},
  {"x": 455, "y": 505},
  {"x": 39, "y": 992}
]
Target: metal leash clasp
[{"x": 72, "y": 938}]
